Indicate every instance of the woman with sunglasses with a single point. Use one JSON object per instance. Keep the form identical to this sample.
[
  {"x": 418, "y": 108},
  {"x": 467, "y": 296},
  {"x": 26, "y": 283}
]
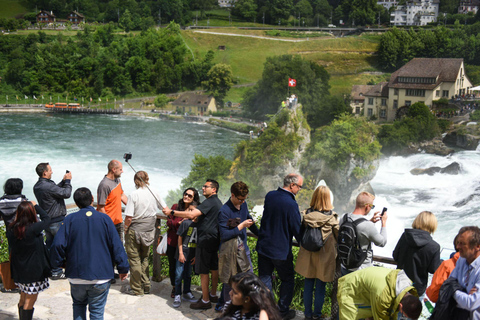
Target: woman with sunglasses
[{"x": 190, "y": 197}]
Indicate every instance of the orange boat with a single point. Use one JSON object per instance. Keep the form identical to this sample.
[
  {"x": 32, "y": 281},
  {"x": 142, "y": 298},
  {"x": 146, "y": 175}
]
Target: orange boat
[
  {"x": 49, "y": 105},
  {"x": 61, "y": 105},
  {"x": 74, "y": 105}
]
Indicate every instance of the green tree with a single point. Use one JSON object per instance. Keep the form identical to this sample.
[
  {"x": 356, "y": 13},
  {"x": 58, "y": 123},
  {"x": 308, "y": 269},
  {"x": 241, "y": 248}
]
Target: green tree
[
  {"x": 266, "y": 97},
  {"x": 346, "y": 136},
  {"x": 246, "y": 9},
  {"x": 219, "y": 81},
  {"x": 304, "y": 8},
  {"x": 126, "y": 21},
  {"x": 161, "y": 101}
]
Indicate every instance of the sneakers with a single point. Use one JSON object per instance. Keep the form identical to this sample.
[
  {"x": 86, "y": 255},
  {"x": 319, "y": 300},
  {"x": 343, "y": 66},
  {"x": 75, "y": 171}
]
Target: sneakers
[
  {"x": 201, "y": 305},
  {"x": 213, "y": 299},
  {"x": 58, "y": 276},
  {"x": 178, "y": 301},
  {"x": 289, "y": 315},
  {"x": 189, "y": 297}
]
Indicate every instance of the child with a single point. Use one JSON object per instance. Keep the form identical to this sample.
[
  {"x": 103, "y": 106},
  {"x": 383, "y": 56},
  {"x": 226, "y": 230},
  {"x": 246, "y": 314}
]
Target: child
[
  {"x": 185, "y": 255},
  {"x": 250, "y": 299}
]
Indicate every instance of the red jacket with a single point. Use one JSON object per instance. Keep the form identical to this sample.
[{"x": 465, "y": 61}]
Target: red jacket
[{"x": 173, "y": 223}]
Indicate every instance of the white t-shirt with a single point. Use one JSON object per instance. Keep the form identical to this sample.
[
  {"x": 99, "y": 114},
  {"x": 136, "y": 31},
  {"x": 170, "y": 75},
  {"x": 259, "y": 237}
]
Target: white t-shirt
[{"x": 142, "y": 204}]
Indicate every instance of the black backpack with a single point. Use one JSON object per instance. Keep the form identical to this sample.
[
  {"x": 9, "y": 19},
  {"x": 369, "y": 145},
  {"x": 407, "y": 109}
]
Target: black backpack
[
  {"x": 312, "y": 238},
  {"x": 350, "y": 253}
]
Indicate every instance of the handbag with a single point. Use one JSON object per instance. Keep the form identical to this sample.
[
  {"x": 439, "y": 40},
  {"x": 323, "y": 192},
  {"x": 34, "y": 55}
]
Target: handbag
[{"x": 162, "y": 247}]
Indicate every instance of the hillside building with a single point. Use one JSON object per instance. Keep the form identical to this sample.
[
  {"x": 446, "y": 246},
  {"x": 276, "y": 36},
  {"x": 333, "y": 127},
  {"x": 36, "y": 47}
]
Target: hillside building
[
  {"x": 226, "y": 3},
  {"x": 467, "y": 6},
  {"x": 415, "y": 13},
  {"x": 195, "y": 104},
  {"x": 45, "y": 17},
  {"x": 420, "y": 80},
  {"x": 75, "y": 18}
]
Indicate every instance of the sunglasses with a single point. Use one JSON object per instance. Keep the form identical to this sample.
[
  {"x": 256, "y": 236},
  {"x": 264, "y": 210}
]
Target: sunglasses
[
  {"x": 371, "y": 206},
  {"x": 188, "y": 195}
]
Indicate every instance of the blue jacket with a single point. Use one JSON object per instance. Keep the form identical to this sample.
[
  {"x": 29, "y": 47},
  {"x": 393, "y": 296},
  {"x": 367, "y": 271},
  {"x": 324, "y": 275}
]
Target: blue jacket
[
  {"x": 228, "y": 211},
  {"x": 90, "y": 244},
  {"x": 281, "y": 222}
]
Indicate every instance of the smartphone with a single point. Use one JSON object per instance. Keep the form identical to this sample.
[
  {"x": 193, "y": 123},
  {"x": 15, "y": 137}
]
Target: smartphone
[
  {"x": 383, "y": 211},
  {"x": 67, "y": 171}
]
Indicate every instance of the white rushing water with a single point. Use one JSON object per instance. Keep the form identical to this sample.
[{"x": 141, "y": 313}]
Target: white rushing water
[{"x": 454, "y": 199}]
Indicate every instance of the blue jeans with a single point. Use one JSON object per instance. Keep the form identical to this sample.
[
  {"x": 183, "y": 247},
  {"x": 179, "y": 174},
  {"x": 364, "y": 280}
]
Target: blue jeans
[
  {"x": 93, "y": 295},
  {"x": 285, "y": 273},
  {"x": 50, "y": 233},
  {"x": 183, "y": 271},
  {"x": 309, "y": 283}
]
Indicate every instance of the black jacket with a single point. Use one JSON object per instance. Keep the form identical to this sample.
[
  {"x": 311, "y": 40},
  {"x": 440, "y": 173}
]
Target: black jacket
[
  {"x": 30, "y": 262},
  {"x": 418, "y": 254},
  {"x": 50, "y": 197},
  {"x": 446, "y": 307},
  {"x": 8, "y": 207}
]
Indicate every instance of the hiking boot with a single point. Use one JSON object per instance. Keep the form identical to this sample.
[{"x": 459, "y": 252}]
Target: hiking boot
[
  {"x": 201, "y": 305},
  {"x": 289, "y": 315},
  {"x": 178, "y": 301},
  {"x": 189, "y": 297}
]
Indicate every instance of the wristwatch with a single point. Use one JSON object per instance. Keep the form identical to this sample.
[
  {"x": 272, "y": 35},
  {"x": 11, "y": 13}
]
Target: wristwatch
[{"x": 172, "y": 213}]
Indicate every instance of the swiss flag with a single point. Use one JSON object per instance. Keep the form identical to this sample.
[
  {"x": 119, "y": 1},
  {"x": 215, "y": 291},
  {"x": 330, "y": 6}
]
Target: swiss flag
[{"x": 292, "y": 82}]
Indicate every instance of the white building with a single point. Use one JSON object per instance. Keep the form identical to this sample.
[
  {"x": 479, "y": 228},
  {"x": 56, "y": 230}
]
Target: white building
[
  {"x": 415, "y": 13},
  {"x": 388, "y": 3},
  {"x": 226, "y": 3}
]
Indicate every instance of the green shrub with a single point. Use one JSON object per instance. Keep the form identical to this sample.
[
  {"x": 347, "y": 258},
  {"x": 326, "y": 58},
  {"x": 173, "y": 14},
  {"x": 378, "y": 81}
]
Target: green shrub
[
  {"x": 445, "y": 124},
  {"x": 346, "y": 136},
  {"x": 418, "y": 125},
  {"x": 475, "y": 115},
  {"x": 221, "y": 114},
  {"x": 3, "y": 245}
]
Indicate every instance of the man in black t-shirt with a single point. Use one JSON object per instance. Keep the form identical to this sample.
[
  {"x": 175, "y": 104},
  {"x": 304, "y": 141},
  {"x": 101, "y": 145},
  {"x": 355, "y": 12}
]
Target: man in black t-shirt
[{"x": 206, "y": 254}]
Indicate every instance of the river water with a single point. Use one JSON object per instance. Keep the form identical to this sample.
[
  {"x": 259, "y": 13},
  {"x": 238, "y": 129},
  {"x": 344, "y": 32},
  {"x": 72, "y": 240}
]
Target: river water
[{"x": 84, "y": 144}]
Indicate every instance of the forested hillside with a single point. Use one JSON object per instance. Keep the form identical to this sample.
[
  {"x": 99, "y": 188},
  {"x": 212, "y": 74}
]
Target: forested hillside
[{"x": 100, "y": 63}]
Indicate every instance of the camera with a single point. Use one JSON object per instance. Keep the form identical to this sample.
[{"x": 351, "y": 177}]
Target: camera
[{"x": 127, "y": 156}]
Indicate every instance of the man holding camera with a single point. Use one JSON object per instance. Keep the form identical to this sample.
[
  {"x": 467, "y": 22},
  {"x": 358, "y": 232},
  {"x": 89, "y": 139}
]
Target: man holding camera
[
  {"x": 51, "y": 198},
  {"x": 110, "y": 196}
]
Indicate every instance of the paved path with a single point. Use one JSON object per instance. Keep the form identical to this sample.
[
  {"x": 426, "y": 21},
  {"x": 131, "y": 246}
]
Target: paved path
[
  {"x": 56, "y": 303},
  {"x": 258, "y": 37}
]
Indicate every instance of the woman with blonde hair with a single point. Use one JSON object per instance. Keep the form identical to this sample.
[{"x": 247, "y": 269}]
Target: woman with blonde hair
[
  {"x": 318, "y": 267},
  {"x": 417, "y": 253}
]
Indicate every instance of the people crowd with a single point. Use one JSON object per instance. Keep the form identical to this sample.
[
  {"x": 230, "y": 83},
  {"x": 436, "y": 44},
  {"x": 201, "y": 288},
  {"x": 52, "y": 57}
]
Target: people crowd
[{"x": 95, "y": 246}]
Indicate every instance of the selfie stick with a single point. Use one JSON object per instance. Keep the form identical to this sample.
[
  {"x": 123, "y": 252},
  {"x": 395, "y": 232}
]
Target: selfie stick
[{"x": 146, "y": 185}]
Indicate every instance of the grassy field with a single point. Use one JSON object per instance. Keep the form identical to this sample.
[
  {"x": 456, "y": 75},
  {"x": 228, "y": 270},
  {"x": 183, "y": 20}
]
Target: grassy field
[
  {"x": 343, "y": 58},
  {"x": 11, "y": 8}
]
